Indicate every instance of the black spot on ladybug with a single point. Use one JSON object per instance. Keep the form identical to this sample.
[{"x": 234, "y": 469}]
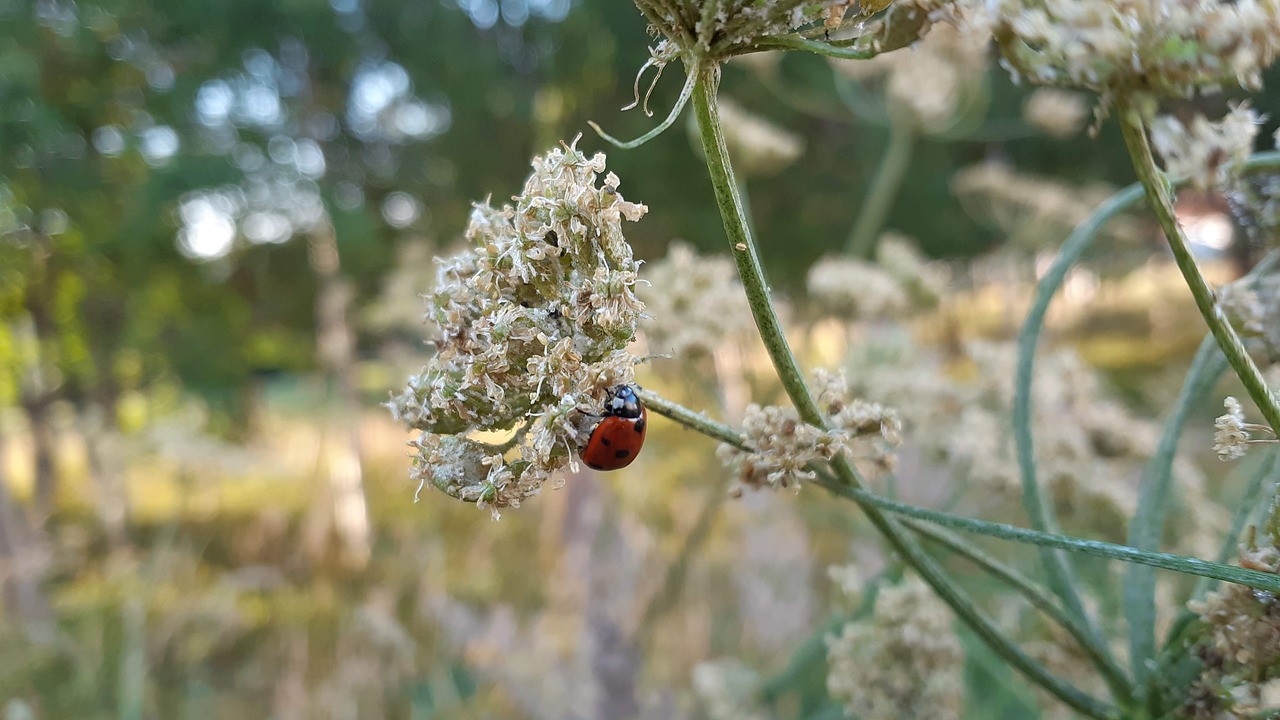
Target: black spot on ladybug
[
  {"x": 638, "y": 426},
  {"x": 605, "y": 442},
  {"x": 621, "y": 454}
]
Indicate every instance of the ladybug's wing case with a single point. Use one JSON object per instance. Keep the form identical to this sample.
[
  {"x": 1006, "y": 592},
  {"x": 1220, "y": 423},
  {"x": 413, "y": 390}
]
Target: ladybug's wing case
[{"x": 616, "y": 441}]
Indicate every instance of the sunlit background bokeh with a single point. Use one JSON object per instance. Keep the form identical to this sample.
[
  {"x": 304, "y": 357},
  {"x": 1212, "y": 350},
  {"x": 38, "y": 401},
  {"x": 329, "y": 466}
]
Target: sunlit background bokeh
[{"x": 216, "y": 220}]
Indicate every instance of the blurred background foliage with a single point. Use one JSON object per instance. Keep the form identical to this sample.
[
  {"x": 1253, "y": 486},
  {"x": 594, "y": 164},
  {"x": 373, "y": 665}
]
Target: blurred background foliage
[{"x": 214, "y": 222}]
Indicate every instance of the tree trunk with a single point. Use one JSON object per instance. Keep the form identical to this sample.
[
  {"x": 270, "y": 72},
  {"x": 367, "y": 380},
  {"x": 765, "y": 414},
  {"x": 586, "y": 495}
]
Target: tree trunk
[
  {"x": 20, "y": 568},
  {"x": 43, "y": 446},
  {"x": 335, "y": 346},
  {"x": 105, "y": 472}
]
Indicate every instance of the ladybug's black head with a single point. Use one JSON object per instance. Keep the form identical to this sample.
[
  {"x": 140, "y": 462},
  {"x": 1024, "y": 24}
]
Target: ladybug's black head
[{"x": 623, "y": 402}]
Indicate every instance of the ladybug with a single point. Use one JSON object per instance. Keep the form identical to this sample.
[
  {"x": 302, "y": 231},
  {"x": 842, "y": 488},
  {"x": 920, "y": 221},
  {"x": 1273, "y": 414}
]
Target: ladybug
[{"x": 616, "y": 440}]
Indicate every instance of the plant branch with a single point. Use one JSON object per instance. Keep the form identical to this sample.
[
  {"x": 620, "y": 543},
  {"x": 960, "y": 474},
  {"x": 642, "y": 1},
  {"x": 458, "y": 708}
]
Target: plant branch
[
  {"x": 751, "y": 273},
  {"x": 1160, "y": 197},
  {"x": 681, "y": 101},
  {"x": 1148, "y": 521},
  {"x": 1098, "y": 548},
  {"x": 1059, "y": 573},
  {"x": 1039, "y": 599},
  {"x": 883, "y": 189}
]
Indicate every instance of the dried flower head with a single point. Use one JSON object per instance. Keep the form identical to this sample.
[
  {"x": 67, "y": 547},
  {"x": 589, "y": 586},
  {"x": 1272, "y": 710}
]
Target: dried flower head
[
  {"x": 720, "y": 29},
  {"x": 925, "y": 281},
  {"x": 758, "y": 146},
  {"x": 1033, "y": 211},
  {"x": 531, "y": 327},
  {"x": 928, "y": 85},
  {"x": 728, "y": 690},
  {"x": 782, "y": 447},
  {"x": 1232, "y": 435},
  {"x": 694, "y": 303},
  {"x": 1148, "y": 46},
  {"x": 1211, "y": 154},
  {"x": 1058, "y": 113},
  {"x": 853, "y": 289},
  {"x": 902, "y": 662},
  {"x": 1241, "y": 650}
]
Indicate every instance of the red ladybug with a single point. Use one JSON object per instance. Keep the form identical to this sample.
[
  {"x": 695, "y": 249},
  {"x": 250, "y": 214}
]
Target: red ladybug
[{"x": 616, "y": 441}]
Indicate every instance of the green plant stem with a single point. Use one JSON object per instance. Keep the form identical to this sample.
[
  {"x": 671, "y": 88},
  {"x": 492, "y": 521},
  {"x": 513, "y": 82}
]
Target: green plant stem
[
  {"x": 839, "y": 52},
  {"x": 1153, "y": 501},
  {"x": 1097, "y": 548},
  {"x": 681, "y": 101},
  {"x": 1267, "y": 471},
  {"x": 1058, "y": 571},
  {"x": 885, "y": 184},
  {"x": 751, "y": 273},
  {"x": 1039, "y": 599},
  {"x": 1160, "y": 197},
  {"x": 1072, "y": 249},
  {"x": 743, "y": 247}
]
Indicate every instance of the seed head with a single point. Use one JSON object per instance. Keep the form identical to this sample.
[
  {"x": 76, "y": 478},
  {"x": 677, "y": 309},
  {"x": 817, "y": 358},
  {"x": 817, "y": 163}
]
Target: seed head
[{"x": 530, "y": 327}]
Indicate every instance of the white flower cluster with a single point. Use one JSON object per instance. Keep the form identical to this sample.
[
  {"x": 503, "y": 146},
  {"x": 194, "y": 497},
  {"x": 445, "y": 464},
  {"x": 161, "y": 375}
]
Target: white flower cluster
[
  {"x": 728, "y": 690},
  {"x": 903, "y": 662},
  {"x": 1241, "y": 647},
  {"x": 930, "y": 84},
  {"x": 782, "y": 447},
  {"x": 1033, "y": 211},
  {"x": 1232, "y": 435},
  {"x": 1147, "y": 46},
  {"x": 694, "y": 303},
  {"x": 901, "y": 280},
  {"x": 1211, "y": 154},
  {"x": 1058, "y": 113},
  {"x": 532, "y": 328}
]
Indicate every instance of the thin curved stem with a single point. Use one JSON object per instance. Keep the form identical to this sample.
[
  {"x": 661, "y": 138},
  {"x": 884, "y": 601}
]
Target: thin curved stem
[
  {"x": 884, "y": 187},
  {"x": 839, "y": 52},
  {"x": 681, "y": 101},
  {"x": 1148, "y": 521},
  {"x": 1158, "y": 193},
  {"x": 1167, "y": 561},
  {"x": 751, "y": 273},
  {"x": 743, "y": 246},
  {"x": 1098, "y": 548},
  {"x": 1268, "y": 471},
  {"x": 1039, "y": 599},
  {"x": 1060, "y": 574}
]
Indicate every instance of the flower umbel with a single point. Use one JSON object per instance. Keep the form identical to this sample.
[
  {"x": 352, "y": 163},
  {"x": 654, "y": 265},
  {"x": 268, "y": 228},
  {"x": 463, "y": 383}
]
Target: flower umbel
[
  {"x": 1241, "y": 647},
  {"x": 1233, "y": 435},
  {"x": 532, "y": 325},
  {"x": 1209, "y": 153},
  {"x": 781, "y": 446},
  {"x": 1166, "y": 48},
  {"x": 902, "y": 662}
]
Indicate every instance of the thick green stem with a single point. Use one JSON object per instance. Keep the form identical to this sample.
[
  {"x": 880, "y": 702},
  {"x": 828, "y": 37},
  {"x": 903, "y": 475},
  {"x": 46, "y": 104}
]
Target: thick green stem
[
  {"x": 751, "y": 273},
  {"x": 884, "y": 188},
  {"x": 743, "y": 247},
  {"x": 1160, "y": 197}
]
